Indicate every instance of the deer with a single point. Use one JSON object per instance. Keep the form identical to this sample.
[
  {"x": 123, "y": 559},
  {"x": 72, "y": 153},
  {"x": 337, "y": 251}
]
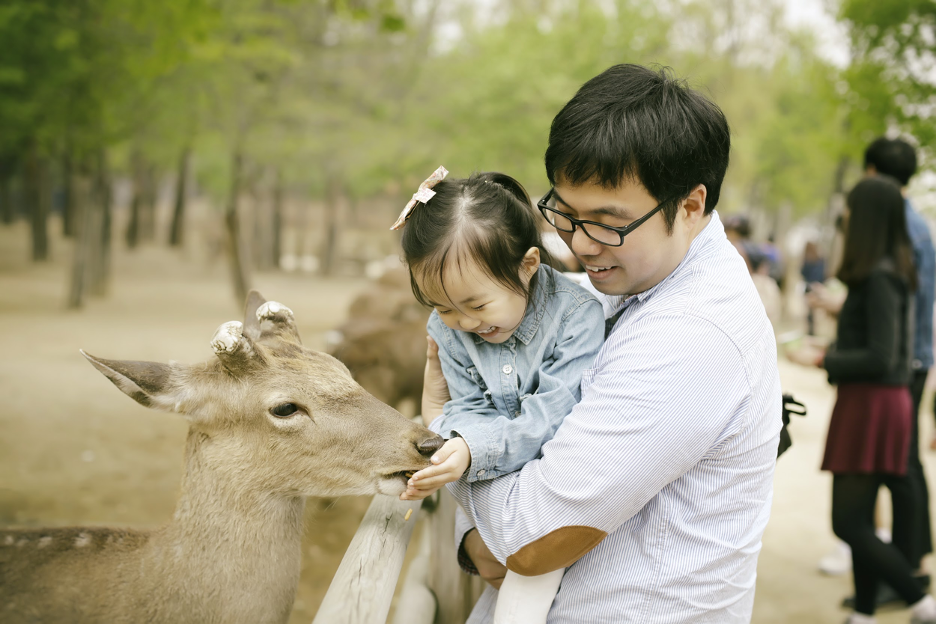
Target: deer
[{"x": 270, "y": 423}]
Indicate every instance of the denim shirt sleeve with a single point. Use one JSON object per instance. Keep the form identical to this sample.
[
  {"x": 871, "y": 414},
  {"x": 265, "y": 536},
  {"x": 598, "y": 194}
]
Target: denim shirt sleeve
[
  {"x": 924, "y": 258},
  {"x": 468, "y": 403},
  {"x": 502, "y": 445}
]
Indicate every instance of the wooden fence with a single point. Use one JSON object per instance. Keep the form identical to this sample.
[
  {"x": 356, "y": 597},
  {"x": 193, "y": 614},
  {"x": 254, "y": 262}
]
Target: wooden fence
[{"x": 434, "y": 591}]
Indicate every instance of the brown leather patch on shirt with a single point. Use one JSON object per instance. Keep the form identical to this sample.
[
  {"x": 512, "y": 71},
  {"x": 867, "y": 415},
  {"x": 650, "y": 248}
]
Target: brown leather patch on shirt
[{"x": 558, "y": 549}]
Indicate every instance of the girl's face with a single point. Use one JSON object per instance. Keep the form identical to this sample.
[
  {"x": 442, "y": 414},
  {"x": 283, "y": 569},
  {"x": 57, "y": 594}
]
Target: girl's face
[{"x": 472, "y": 301}]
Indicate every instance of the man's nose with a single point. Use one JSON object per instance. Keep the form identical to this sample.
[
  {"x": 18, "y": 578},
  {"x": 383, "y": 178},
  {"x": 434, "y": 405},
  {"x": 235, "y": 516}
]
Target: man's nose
[{"x": 583, "y": 246}]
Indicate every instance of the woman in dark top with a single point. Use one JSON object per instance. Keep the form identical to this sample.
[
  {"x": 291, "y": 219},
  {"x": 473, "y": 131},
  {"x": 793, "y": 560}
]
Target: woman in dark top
[{"x": 869, "y": 433}]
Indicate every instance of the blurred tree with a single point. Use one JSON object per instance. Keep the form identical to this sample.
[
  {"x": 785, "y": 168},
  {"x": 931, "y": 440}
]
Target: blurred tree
[{"x": 892, "y": 77}]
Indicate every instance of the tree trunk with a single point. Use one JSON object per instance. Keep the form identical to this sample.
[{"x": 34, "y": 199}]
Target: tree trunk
[
  {"x": 237, "y": 253},
  {"x": 148, "y": 205},
  {"x": 7, "y": 211},
  {"x": 177, "y": 230},
  {"x": 35, "y": 207},
  {"x": 260, "y": 213},
  {"x": 133, "y": 226},
  {"x": 84, "y": 231},
  {"x": 101, "y": 253},
  {"x": 68, "y": 207},
  {"x": 334, "y": 194},
  {"x": 277, "y": 218}
]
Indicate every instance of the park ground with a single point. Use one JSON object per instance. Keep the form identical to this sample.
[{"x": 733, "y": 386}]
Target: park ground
[{"x": 74, "y": 450}]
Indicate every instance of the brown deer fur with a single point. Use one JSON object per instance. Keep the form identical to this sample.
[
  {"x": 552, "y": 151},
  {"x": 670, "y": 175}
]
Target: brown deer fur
[{"x": 232, "y": 551}]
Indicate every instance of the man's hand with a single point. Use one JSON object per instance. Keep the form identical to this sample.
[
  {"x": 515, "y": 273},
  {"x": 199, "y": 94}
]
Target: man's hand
[
  {"x": 490, "y": 569},
  {"x": 449, "y": 463},
  {"x": 435, "y": 388}
]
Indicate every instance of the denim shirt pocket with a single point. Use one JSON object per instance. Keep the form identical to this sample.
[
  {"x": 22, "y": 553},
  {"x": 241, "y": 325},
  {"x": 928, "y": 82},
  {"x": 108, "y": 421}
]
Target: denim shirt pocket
[{"x": 479, "y": 381}]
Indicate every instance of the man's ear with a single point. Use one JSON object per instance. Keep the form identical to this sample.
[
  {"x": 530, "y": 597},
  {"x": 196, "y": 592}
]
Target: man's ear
[
  {"x": 694, "y": 205},
  {"x": 531, "y": 261}
]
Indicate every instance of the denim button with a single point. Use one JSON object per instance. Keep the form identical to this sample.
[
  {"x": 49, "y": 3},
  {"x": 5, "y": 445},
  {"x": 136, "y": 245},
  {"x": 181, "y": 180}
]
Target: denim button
[
  {"x": 480, "y": 473},
  {"x": 507, "y": 369}
]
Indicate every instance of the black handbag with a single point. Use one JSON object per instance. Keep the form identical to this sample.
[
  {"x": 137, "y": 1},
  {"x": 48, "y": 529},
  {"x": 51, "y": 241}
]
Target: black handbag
[{"x": 790, "y": 406}]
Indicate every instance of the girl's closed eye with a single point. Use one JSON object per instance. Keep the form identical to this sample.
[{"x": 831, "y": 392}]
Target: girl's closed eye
[{"x": 479, "y": 308}]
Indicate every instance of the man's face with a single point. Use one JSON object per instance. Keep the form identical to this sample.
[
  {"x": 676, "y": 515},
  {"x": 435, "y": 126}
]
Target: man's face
[{"x": 647, "y": 255}]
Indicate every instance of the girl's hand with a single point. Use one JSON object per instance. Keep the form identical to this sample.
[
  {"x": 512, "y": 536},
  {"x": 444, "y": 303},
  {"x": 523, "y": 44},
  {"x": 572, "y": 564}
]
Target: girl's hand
[
  {"x": 449, "y": 463},
  {"x": 435, "y": 388}
]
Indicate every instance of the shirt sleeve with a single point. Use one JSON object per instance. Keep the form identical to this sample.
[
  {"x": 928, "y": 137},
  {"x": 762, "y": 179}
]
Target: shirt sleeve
[
  {"x": 883, "y": 296},
  {"x": 501, "y": 445},
  {"x": 645, "y": 419}
]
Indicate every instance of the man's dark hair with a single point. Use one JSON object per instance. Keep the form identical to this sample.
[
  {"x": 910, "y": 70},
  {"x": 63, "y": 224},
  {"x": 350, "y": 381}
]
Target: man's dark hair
[
  {"x": 893, "y": 157},
  {"x": 634, "y": 123},
  {"x": 877, "y": 230}
]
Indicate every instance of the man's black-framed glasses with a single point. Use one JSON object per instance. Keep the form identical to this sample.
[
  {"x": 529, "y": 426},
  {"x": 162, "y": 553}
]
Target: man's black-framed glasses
[{"x": 598, "y": 232}]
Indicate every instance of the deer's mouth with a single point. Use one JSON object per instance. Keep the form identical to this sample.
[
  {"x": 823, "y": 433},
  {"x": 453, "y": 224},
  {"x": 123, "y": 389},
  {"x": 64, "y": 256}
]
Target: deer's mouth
[{"x": 401, "y": 474}]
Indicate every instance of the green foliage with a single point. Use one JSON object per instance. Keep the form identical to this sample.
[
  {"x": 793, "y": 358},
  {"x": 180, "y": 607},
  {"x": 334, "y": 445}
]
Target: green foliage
[
  {"x": 891, "y": 78},
  {"x": 372, "y": 95}
]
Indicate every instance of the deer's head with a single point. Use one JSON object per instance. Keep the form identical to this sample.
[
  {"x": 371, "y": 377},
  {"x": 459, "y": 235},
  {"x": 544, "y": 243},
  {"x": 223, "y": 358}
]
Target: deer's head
[{"x": 278, "y": 417}]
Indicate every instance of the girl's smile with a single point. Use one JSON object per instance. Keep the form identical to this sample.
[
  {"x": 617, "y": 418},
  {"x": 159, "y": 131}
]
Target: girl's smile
[{"x": 470, "y": 300}]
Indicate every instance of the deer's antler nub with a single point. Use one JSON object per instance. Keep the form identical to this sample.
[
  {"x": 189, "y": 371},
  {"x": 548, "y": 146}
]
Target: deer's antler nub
[
  {"x": 231, "y": 346},
  {"x": 282, "y": 319}
]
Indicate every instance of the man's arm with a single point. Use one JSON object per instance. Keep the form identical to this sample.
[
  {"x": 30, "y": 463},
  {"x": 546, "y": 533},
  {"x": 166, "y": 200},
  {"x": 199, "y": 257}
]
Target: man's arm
[{"x": 649, "y": 415}]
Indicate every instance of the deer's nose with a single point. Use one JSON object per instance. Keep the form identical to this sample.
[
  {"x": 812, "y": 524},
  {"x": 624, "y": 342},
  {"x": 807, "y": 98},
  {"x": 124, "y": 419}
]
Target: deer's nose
[{"x": 430, "y": 445}]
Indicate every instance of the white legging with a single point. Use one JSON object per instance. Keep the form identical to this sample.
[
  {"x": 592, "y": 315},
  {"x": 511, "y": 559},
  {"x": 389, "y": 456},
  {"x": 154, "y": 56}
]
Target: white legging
[{"x": 526, "y": 599}]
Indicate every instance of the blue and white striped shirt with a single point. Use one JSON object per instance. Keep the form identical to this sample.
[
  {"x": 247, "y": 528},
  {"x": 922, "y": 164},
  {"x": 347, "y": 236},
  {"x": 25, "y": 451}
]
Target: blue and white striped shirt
[{"x": 670, "y": 452}]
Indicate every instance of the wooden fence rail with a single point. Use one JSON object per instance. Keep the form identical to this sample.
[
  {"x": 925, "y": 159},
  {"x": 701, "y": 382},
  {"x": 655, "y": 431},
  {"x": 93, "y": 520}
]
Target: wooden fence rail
[{"x": 435, "y": 590}]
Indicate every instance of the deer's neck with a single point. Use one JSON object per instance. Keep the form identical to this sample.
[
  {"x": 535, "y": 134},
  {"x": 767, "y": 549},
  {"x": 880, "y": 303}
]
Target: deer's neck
[{"x": 242, "y": 541}]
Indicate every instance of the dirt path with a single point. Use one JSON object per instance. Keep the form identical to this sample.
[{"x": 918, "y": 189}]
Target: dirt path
[{"x": 75, "y": 450}]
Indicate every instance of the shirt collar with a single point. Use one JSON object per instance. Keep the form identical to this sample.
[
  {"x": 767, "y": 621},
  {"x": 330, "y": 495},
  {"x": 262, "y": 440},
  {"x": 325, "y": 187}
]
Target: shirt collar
[
  {"x": 712, "y": 230},
  {"x": 535, "y": 309}
]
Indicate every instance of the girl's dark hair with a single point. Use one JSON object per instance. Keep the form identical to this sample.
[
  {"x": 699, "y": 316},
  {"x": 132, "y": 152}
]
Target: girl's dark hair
[
  {"x": 876, "y": 230},
  {"x": 487, "y": 217}
]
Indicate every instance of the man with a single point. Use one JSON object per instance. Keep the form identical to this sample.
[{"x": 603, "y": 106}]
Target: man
[
  {"x": 897, "y": 158},
  {"x": 656, "y": 489}
]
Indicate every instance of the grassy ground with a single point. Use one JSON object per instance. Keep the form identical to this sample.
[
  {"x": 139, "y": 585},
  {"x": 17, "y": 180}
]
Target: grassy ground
[{"x": 75, "y": 450}]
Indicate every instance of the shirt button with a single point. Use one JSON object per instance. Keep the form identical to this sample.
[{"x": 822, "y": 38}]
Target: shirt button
[
  {"x": 480, "y": 473},
  {"x": 507, "y": 369}
]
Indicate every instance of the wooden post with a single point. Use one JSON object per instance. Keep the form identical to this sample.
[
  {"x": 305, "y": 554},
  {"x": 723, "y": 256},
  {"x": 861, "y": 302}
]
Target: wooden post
[
  {"x": 455, "y": 591},
  {"x": 363, "y": 586}
]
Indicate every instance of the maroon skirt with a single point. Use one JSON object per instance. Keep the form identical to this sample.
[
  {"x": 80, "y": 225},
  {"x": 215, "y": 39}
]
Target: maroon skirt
[{"x": 869, "y": 430}]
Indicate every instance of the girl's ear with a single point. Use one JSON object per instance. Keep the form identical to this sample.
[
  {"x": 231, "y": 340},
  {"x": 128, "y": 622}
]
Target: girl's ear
[{"x": 530, "y": 262}]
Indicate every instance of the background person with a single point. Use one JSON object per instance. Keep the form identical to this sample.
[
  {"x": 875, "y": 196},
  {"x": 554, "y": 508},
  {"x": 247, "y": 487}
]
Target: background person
[{"x": 870, "y": 429}]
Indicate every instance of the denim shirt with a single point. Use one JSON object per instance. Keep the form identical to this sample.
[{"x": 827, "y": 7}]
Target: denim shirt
[
  {"x": 924, "y": 257},
  {"x": 508, "y": 399}
]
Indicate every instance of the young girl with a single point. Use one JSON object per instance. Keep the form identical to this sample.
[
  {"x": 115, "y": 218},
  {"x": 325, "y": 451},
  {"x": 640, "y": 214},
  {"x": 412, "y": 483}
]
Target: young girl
[{"x": 514, "y": 337}]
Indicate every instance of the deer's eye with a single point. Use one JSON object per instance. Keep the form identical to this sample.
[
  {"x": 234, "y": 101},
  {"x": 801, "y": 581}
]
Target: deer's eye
[{"x": 284, "y": 410}]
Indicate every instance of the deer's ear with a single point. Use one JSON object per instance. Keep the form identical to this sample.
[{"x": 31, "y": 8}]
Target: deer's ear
[
  {"x": 147, "y": 383},
  {"x": 251, "y": 321}
]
